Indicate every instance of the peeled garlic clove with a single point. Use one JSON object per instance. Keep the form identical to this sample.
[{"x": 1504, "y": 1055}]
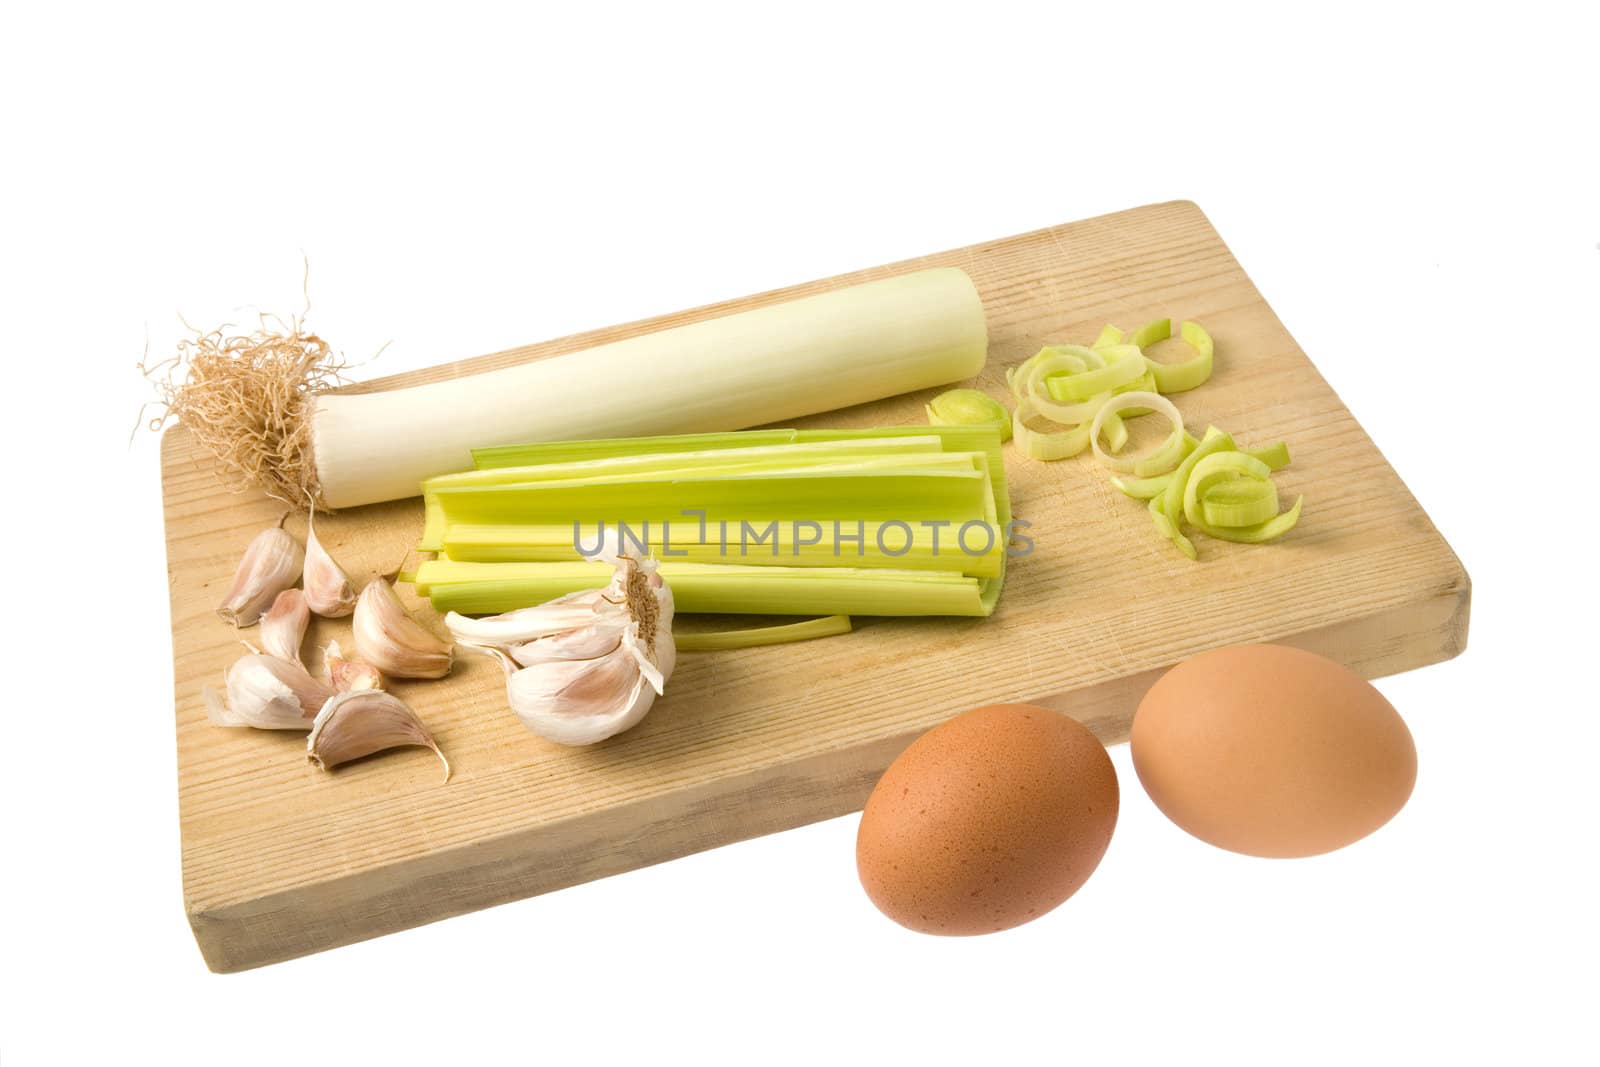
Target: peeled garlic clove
[
  {"x": 346, "y": 674},
  {"x": 270, "y": 565},
  {"x": 267, "y": 693},
  {"x": 328, "y": 589},
  {"x": 362, "y": 722},
  {"x": 392, "y": 641},
  {"x": 283, "y": 627}
]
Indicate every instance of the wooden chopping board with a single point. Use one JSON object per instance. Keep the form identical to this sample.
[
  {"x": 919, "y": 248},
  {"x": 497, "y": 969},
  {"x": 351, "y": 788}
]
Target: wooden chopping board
[{"x": 280, "y": 860}]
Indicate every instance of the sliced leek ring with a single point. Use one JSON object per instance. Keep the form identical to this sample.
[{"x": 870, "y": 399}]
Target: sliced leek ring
[
  {"x": 1041, "y": 444},
  {"x": 1216, "y": 468},
  {"x": 1119, "y": 365},
  {"x": 1239, "y": 502},
  {"x": 969, "y": 407},
  {"x": 1109, "y": 335},
  {"x": 1164, "y": 458},
  {"x": 1178, "y": 377}
]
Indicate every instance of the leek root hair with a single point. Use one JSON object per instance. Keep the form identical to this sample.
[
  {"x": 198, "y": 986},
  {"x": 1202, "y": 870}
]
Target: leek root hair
[{"x": 246, "y": 397}]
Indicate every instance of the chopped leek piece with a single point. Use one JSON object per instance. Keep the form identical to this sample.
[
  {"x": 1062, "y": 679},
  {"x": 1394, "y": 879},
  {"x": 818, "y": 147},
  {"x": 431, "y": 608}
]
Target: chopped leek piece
[
  {"x": 1255, "y": 535},
  {"x": 1041, "y": 444},
  {"x": 1141, "y": 488},
  {"x": 1239, "y": 502},
  {"x": 1218, "y": 467},
  {"x": 1119, "y": 365},
  {"x": 969, "y": 407},
  {"x": 1151, "y": 333},
  {"x": 1164, "y": 458},
  {"x": 1109, "y": 335},
  {"x": 827, "y": 626},
  {"x": 1178, "y": 377},
  {"x": 1275, "y": 456},
  {"x": 1172, "y": 497}
]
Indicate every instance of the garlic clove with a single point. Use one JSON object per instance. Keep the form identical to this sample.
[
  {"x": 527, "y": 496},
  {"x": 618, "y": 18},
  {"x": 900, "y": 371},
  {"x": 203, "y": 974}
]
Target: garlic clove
[
  {"x": 346, "y": 674},
  {"x": 283, "y": 627},
  {"x": 271, "y": 564},
  {"x": 587, "y": 643},
  {"x": 363, "y": 722},
  {"x": 528, "y": 624},
  {"x": 267, "y": 693},
  {"x": 580, "y": 702},
  {"x": 392, "y": 641},
  {"x": 328, "y": 589},
  {"x": 587, "y": 666}
]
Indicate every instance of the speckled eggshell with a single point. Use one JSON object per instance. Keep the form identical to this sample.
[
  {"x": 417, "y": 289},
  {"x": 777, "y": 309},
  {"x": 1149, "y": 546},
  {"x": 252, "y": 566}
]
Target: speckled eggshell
[
  {"x": 1272, "y": 751},
  {"x": 987, "y": 821}
]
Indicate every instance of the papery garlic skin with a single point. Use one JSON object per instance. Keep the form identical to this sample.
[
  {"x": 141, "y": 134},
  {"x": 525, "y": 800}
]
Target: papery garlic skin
[
  {"x": 599, "y": 676},
  {"x": 363, "y": 722},
  {"x": 327, "y": 587},
  {"x": 391, "y": 640},
  {"x": 283, "y": 627},
  {"x": 271, "y": 564},
  {"x": 347, "y": 674},
  {"x": 267, "y": 693}
]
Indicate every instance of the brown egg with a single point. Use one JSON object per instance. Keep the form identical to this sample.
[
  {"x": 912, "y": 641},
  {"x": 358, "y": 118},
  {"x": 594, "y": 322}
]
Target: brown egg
[
  {"x": 1272, "y": 751},
  {"x": 987, "y": 821}
]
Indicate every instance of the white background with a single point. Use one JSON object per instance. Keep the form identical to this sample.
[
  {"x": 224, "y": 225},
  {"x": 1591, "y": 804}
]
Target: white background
[{"x": 1413, "y": 190}]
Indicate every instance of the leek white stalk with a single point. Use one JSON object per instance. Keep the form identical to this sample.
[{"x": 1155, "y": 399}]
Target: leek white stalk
[{"x": 818, "y": 353}]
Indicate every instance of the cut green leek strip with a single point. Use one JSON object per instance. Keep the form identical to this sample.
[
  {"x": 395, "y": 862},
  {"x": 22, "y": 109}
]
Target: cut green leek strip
[
  {"x": 909, "y": 488},
  {"x": 969, "y": 407},
  {"x": 753, "y": 458},
  {"x": 712, "y": 588},
  {"x": 721, "y": 640},
  {"x": 952, "y": 439},
  {"x": 976, "y": 550}
]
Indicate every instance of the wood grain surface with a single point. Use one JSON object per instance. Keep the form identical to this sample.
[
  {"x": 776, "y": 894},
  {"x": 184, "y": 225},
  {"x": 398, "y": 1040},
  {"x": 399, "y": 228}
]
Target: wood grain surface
[{"x": 280, "y": 860}]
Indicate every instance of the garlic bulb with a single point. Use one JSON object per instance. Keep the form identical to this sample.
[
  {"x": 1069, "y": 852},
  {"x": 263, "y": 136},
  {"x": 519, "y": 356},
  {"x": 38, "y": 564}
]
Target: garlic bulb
[
  {"x": 392, "y": 641},
  {"x": 283, "y": 627},
  {"x": 586, "y": 666},
  {"x": 346, "y": 674},
  {"x": 328, "y": 589},
  {"x": 362, "y": 722},
  {"x": 267, "y": 693},
  {"x": 271, "y": 564}
]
